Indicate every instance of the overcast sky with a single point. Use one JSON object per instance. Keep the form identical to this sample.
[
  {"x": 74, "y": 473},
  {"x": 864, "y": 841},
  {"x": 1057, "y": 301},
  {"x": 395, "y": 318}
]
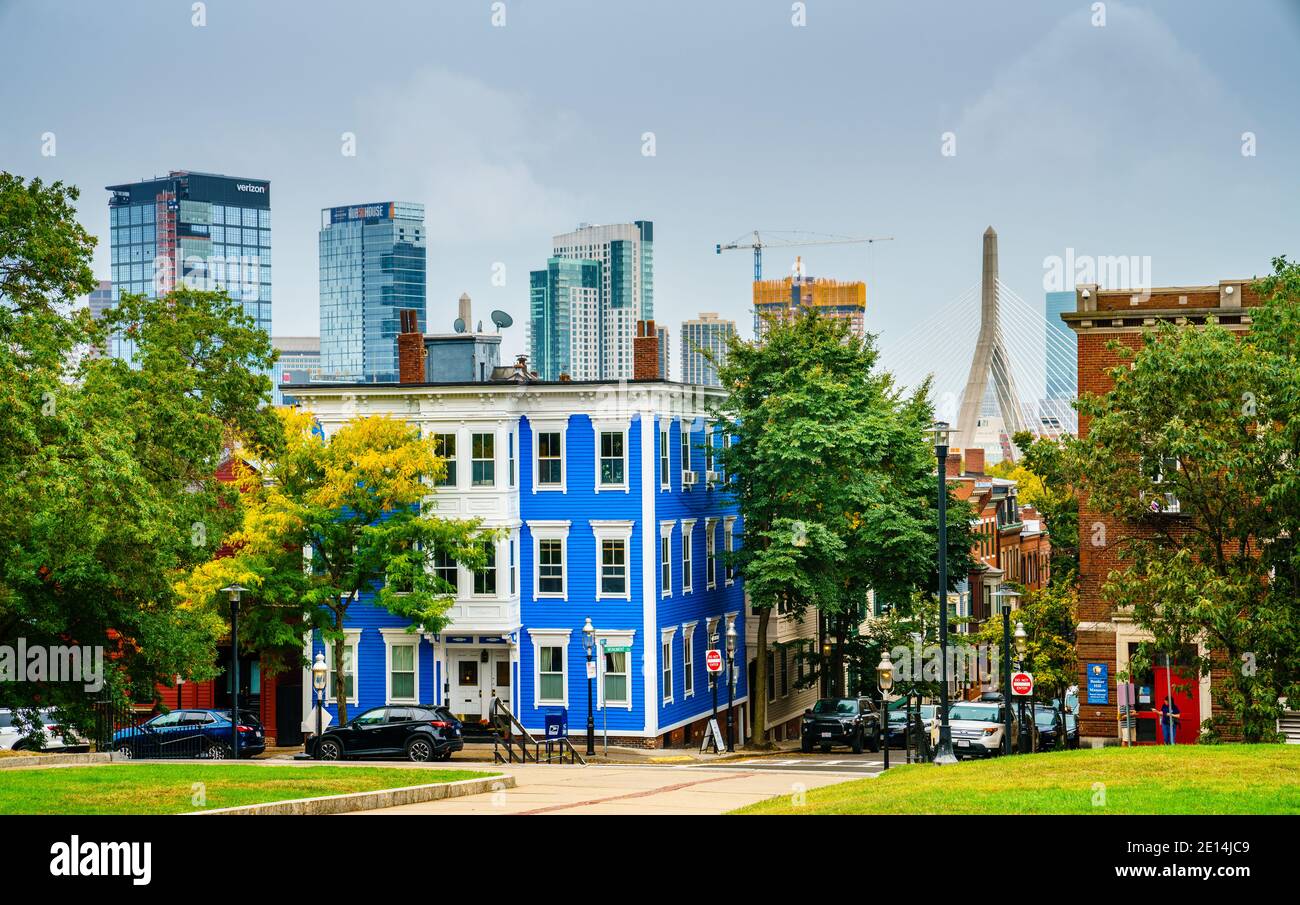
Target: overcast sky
[{"x": 1124, "y": 139}]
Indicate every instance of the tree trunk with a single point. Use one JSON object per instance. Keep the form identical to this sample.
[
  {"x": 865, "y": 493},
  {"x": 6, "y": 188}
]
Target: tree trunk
[
  {"x": 758, "y": 694},
  {"x": 340, "y": 677}
]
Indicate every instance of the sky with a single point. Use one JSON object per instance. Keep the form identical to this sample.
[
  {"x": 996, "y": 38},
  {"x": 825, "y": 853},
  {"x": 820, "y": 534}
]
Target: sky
[{"x": 1114, "y": 128}]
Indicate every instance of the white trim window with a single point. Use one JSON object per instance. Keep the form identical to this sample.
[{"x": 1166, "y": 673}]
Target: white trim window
[
  {"x": 613, "y": 459},
  {"x": 712, "y": 628},
  {"x": 550, "y": 658},
  {"x": 401, "y": 666},
  {"x": 446, "y": 568},
  {"x": 686, "y": 447},
  {"x": 351, "y": 644},
  {"x": 616, "y": 668},
  {"x": 688, "y": 660},
  {"x": 548, "y": 456},
  {"x": 550, "y": 555},
  {"x": 613, "y": 566},
  {"x": 483, "y": 460},
  {"x": 710, "y": 553},
  {"x": 708, "y": 448},
  {"x": 665, "y": 479},
  {"x": 444, "y": 446},
  {"x": 688, "y": 534},
  {"x": 510, "y": 457},
  {"x": 666, "y": 667},
  {"x": 728, "y": 548},
  {"x": 666, "y": 559},
  {"x": 485, "y": 581}
]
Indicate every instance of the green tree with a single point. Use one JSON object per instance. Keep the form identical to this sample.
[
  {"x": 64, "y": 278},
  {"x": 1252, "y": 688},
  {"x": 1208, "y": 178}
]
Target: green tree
[
  {"x": 1195, "y": 448},
  {"x": 358, "y": 503}
]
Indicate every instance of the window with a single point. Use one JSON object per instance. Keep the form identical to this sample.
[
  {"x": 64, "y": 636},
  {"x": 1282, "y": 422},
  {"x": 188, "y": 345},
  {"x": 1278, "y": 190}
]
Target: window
[
  {"x": 550, "y": 566},
  {"x": 510, "y": 458},
  {"x": 512, "y": 567},
  {"x": 666, "y": 559},
  {"x": 688, "y": 660},
  {"x": 550, "y": 462},
  {"x": 617, "y": 686},
  {"x": 708, "y": 447},
  {"x": 710, "y": 553},
  {"x": 664, "y": 481},
  {"x": 785, "y": 672},
  {"x": 483, "y": 456},
  {"x": 551, "y": 672},
  {"x": 485, "y": 582},
  {"x": 686, "y": 449},
  {"x": 728, "y": 547},
  {"x": 613, "y": 567},
  {"x": 666, "y": 666},
  {"x": 688, "y": 532},
  {"x": 771, "y": 674},
  {"x": 402, "y": 651},
  {"x": 611, "y": 458},
  {"x": 349, "y": 677},
  {"x": 445, "y": 568},
  {"x": 444, "y": 445}
]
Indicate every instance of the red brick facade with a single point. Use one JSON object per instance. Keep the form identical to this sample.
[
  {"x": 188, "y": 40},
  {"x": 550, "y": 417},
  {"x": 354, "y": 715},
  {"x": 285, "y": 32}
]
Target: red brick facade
[{"x": 645, "y": 352}]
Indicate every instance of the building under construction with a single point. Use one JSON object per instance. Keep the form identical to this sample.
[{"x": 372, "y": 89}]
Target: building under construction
[{"x": 778, "y": 299}]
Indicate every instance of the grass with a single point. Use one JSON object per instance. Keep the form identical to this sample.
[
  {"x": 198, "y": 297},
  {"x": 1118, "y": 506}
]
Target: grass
[
  {"x": 171, "y": 788},
  {"x": 1193, "y": 779}
]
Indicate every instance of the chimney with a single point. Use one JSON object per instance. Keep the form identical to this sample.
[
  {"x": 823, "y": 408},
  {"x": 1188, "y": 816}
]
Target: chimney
[
  {"x": 410, "y": 348},
  {"x": 645, "y": 352},
  {"x": 974, "y": 460},
  {"x": 954, "y": 462}
]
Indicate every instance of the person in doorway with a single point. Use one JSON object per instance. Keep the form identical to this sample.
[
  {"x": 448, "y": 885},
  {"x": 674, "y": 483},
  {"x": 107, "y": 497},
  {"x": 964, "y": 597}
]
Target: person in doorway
[{"x": 1169, "y": 716}]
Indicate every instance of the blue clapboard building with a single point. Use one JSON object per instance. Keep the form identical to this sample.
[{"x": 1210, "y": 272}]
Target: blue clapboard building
[{"x": 612, "y": 507}]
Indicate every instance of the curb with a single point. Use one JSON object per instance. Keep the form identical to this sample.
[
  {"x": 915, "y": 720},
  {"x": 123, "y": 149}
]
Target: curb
[
  {"x": 366, "y": 801},
  {"x": 55, "y": 760}
]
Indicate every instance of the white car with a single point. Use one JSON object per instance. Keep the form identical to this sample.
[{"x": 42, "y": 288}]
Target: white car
[
  {"x": 977, "y": 728},
  {"x": 13, "y": 738}
]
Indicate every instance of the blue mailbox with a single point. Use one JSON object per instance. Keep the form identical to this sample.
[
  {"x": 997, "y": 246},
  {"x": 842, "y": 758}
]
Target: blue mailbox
[{"x": 557, "y": 722}]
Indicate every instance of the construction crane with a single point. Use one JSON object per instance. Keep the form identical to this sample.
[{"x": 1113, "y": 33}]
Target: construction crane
[{"x": 794, "y": 239}]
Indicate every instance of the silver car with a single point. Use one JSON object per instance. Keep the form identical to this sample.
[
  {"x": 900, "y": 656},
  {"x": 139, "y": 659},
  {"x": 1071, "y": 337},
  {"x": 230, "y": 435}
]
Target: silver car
[{"x": 977, "y": 729}]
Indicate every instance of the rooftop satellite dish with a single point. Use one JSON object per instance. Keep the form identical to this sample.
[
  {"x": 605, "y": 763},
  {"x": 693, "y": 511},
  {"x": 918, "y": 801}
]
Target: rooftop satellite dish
[
  {"x": 502, "y": 320},
  {"x": 458, "y": 326}
]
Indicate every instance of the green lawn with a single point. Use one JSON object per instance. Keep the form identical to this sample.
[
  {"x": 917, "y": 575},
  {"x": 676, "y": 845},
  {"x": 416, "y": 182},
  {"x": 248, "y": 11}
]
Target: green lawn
[
  {"x": 1193, "y": 779},
  {"x": 170, "y": 788}
]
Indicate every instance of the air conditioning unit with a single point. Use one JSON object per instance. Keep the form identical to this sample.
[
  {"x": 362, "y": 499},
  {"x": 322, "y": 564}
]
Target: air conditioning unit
[
  {"x": 688, "y": 478},
  {"x": 713, "y": 477}
]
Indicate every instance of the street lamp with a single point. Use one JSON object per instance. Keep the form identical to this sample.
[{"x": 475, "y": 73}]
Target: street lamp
[
  {"x": 1022, "y": 647},
  {"x": 180, "y": 691},
  {"x": 589, "y": 645},
  {"x": 234, "y": 591},
  {"x": 319, "y": 672},
  {"x": 940, "y": 433},
  {"x": 731, "y": 683},
  {"x": 1007, "y": 597},
  {"x": 884, "y": 679}
]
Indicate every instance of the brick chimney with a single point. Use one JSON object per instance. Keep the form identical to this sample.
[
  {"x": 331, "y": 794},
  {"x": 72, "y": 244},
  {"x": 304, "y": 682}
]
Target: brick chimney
[
  {"x": 954, "y": 462},
  {"x": 974, "y": 460},
  {"x": 645, "y": 352},
  {"x": 410, "y": 349}
]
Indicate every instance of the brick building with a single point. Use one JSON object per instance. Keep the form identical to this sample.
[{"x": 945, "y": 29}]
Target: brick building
[{"x": 1108, "y": 638}]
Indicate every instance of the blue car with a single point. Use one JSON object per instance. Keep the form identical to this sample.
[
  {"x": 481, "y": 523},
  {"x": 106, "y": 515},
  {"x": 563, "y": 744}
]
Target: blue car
[{"x": 190, "y": 733}]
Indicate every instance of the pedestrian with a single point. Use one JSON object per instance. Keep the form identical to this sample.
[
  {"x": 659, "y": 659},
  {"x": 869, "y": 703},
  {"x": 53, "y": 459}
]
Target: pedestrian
[{"x": 1169, "y": 716}]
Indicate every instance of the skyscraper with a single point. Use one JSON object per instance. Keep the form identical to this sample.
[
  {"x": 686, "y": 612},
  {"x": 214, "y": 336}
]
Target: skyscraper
[
  {"x": 564, "y": 321},
  {"x": 299, "y": 362},
  {"x": 99, "y": 301},
  {"x": 625, "y": 255},
  {"x": 372, "y": 265},
  {"x": 662, "y": 333},
  {"x": 202, "y": 230},
  {"x": 829, "y": 298},
  {"x": 707, "y": 333}
]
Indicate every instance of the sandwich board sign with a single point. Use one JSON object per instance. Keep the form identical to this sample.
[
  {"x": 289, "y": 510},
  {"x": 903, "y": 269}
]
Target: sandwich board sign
[{"x": 712, "y": 739}]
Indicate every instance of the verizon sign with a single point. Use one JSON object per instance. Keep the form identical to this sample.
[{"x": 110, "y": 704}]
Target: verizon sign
[{"x": 252, "y": 187}]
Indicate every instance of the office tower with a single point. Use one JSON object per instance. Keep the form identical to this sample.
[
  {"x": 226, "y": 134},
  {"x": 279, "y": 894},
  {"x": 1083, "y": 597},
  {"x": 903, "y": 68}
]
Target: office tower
[
  {"x": 1061, "y": 354},
  {"x": 201, "y": 230},
  {"x": 662, "y": 333},
  {"x": 99, "y": 301},
  {"x": 830, "y": 298},
  {"x": 625, "y": 255},
  {"x": 564, "y": 323},
  {"x": 706, "y": 333},
  {"x": 372, "y": 265},
  {"x": 298, "y": 364}
]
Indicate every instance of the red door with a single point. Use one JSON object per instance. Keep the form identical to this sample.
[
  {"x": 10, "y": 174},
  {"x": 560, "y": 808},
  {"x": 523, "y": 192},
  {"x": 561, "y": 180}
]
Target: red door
[{"x": 1186, "y": 691}]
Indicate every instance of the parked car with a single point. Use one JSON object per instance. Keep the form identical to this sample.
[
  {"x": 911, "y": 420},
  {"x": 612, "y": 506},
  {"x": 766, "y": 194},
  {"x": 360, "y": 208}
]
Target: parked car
[
  {"x": 977, "y": 728},
  {"x": 840, "y": 721},
  {"x": 190, "y": 733},
  {"x": 1045, "y": 718},
  {"x": 23, "y": 738},
  {"x": 417, "y": 733}
]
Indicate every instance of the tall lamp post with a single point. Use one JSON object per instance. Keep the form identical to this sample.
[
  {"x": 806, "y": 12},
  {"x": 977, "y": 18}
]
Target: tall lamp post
[
  {"x": 180, "y": 691},
  {"x": 1007, "y": 598},
  {"x": 884, "y": 679},
  {"x": 940, "y": 432},
  {"x": 589, "y": 645},
  {"x": 234, "y": 591},
  {"x": 731, "y": 684},
  {"x": 319, "y": 672},
  {"x": 1025, "y": 740}
]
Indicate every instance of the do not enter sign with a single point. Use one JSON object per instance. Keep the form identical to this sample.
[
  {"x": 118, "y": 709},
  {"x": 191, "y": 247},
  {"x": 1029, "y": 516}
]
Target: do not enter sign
[
  {"x": 713, "y": 660},
  {"x": 1022, "y": 684}
]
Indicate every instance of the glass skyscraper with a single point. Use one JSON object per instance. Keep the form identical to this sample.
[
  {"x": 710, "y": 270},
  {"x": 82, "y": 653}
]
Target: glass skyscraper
[
  {"x": 201, "y": 230},
  {"x": 564, "y": 326},
  {"x": 707, "y": 333},
  {"x": 372, "y": 265}
]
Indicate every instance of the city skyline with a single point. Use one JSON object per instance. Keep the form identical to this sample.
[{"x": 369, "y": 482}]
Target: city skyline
[{"x": 480, "y": 130}]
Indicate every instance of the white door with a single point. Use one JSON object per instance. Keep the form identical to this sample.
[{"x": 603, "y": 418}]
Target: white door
[
  {"x": 499, "y": 679},
  {"x": 467, "y": 687}
]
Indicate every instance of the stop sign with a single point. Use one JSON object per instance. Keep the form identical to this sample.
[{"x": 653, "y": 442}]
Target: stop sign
[
  {"x": 1022, "y": 684},
  {"x": 713, "y": 660}
]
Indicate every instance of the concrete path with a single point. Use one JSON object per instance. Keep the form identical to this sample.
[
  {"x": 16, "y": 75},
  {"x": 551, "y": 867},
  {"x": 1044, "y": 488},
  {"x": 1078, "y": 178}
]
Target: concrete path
[{"x": 628, "y": 789}]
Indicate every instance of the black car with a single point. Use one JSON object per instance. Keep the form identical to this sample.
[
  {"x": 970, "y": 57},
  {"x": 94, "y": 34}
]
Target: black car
[
  {"x": 1046, "y": 720},
  {"x": 190, "y": 733},
  {"x": 840, "y": 721},
  {"x": 417, "y": 733}
]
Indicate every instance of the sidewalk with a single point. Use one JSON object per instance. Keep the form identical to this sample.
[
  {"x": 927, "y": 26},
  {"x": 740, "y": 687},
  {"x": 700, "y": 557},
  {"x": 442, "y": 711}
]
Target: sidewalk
[{"x": 481, "y": 752}]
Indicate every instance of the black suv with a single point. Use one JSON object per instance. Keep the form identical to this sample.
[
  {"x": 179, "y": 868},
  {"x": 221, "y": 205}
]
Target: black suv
[
  {"x": 417, "y": 733},
  {"x": 840, "y": 721}
]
